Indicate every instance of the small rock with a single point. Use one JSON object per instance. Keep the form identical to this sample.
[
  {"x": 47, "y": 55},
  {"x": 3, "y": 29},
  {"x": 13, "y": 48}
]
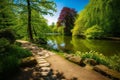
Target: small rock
[
  {"x": 67, "y": 56},
  {"x": 40, "y": 62},
  {"x": 44, "y": 74},
  {"x": 46, "y": 55},
  {"x": 106, "y": 71},
  {"x": 75, "y": 59},
  {"x": 90, "y": 61},
  {"x": 29, "y": 61},
  {"x": 45, "y": 69},
  {"x": 89, "y": 67},
  {"x": 40, "y": 53},
  {"x": 44, "y": 65},
  {"x": 54, "y": 77},
  {"x": 41, "y": 57}
]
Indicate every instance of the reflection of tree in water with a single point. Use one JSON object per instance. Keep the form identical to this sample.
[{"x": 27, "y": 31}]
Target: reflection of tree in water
[
  {"x": 106, "y": 47},
  {"x": 68, "y": 46},
  {"x": 72, "y": 44},
  {"x": 63, "y": 43},
  {"x": 78, "y": 45}
]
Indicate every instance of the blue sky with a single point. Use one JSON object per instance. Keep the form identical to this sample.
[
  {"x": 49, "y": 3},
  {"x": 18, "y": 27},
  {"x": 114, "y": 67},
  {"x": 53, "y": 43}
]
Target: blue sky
[{"x": 78, "y": 5}]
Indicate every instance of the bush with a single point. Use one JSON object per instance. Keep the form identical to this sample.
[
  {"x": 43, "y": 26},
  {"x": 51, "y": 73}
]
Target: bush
[
  {"x": 94, "y": 32},
  {"x": 101, "y": 59},
  {"x": 19, "y": 52},
  {"x": 4, "y": 43},
  {"x": 115, "y": 62},
  {"x": 112, "y": 62},
  {"x": 8, "y": 34},
  {"x": 10, "y": 61}
]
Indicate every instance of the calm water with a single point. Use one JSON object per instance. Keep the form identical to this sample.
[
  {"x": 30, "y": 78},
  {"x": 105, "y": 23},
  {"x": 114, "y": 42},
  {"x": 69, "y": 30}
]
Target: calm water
[{"x": 72, "y": 44}]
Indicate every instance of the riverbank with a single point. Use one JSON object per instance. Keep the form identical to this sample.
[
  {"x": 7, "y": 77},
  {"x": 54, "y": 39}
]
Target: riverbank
[
  {"x": 70, "y": 44},
  {"x": 65, "y": 69}
]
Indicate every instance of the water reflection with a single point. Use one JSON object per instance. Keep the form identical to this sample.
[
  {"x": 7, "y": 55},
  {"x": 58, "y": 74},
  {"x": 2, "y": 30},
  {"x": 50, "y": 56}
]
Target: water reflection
[{"x": 73, "y": 44}]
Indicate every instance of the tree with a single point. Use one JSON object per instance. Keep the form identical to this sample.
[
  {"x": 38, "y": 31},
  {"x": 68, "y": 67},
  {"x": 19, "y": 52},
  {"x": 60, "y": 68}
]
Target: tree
[
  {"x": 38, "y": 23},
  {"x": 42, "y": 6},
  {"x": 6, "y": 14},
  {"x": 104, "y": 14},
  {"x": 67, "y": 18}
]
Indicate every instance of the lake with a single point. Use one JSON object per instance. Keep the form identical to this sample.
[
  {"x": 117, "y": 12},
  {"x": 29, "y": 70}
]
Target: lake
[{"x": 72, "y": 44}]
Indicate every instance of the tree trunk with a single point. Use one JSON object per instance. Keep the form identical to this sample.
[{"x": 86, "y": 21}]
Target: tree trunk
[{"x": 29, "y": 29}]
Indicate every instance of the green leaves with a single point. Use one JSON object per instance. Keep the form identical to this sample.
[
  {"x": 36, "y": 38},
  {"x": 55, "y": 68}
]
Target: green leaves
[
  {"x": 94, "y": 32},
  {"x": 104, "y": 13}
]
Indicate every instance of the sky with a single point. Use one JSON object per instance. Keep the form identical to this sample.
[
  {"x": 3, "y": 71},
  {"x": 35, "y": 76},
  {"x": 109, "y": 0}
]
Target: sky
[{"x": 78, "y": 5}]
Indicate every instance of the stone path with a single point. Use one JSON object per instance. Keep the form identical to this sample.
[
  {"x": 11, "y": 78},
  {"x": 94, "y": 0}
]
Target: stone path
[
  {"x": 44, "y": 69},
  {"x": 53, "y": 67}
]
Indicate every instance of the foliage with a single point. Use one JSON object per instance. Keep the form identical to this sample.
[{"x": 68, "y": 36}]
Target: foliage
[
  {"x": 18, "y": 51},
  {"x": 4, "y": 43},
  {"x": 10, "y": 57},
  {"x": 93, "y": 55},
  {"x": 60, "y": 29},
  {"x": 7, "y": 16},
  {"x": 112, "y": 61},
  {"x": 94, "y": 32},
  {"x": 55, "y": 29},
  {"x": 66, "y": 19},
  {"x": 79, "y": 27},
  {"x": 115, "y": 62},
  {"x": 104, "y": 13},
  {"x": 11, "y": 61},
  {"x": 40, "y": 6},
  {"x": 38, "y": 22},
  {"x": 9, "y": 34}
]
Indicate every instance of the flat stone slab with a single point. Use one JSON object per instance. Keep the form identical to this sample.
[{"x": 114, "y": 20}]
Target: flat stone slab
[
  {"x": 44, "y": 65},
  {"x": 41, "y": 57},
  {"x": 44, "y": 74},
  {"x": 40, "y": 62},
  {"x": 46, "y": 69},
  {"x": 105, "y": 70}
]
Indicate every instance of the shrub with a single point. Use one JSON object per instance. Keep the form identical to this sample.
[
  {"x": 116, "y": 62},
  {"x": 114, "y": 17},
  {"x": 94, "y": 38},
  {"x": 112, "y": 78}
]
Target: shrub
[
  {"x": 115, "y": 62},
  {"x": 10, "y": 61},
  {"x": 18, "y": 51},
  {"x": 4, "y": 43},
  {"x": 93, "y": 55},
  {"x": 8, "y": 34},
  {"x": 112, "y": 62},
  {"x": 94, "y": 32}
]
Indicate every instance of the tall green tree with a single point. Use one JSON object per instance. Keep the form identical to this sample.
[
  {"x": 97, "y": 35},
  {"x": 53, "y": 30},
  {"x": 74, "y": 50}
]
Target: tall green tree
[
  {"x": 100, "y": 16},
  {"x": 7, "y": 18},
  {"x": 41, "y": 6},
  {"x": 38, "y": 23}
]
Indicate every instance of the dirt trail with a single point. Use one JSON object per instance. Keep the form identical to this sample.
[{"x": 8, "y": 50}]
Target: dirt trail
[{"x": 71, "y": 70}]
